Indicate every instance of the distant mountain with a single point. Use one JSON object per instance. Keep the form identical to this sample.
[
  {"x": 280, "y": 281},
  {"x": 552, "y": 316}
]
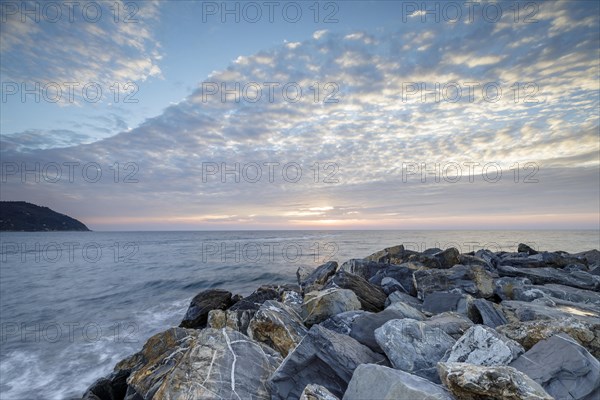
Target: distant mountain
[{"x": 21, "y": 216}]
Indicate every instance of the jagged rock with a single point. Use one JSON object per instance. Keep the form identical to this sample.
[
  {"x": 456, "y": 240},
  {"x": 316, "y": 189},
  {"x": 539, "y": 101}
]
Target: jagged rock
[
  {"x": 371, "y": 297},
  {"x": 112, "y": 388},
  {"x": 491, "y": 313},
  {"x": 197, "y": 313},
  {"x": 543, "y": 275},
  {"x": 562, "y": 367},
  {"x": 318, "y": 306},
  {"x": 404, "y": 298},
  {"x": 439, "y": 302},
  {"x": 371, "y": 381},
  {"x": 278, "y": 326},
  {"x": 403, "y": 274},
  {"x": 317, "y": 279},
  {"x": 531, "y": 332},
  {"x": 363, "y": 268},
  {"x": 391, "y": 255},
  {"x": 317, "y": 392},
  {"x": 590, "y": 257},
  {"x": 413, "y": 346},
  {"x": 202, "y": 364},
  {"x": 505, "y": 287},
  {"x": 488, "y": 256},
  {"x": 545, "y": 308},
  {"x": 523, "y": 248},
  {"x": 473, "y": 280},
  {"x": 255, "y": 300},
  {"x": 363, "y": 327},
  {"x": 390, "y": 285},
  {"x": 562, "y": 292},
  {"x": 476, "y": 382},
  {"x": 342, "y": 323},
  {"x": 482, "y": 345},
  {"x": 448, "y": 258},
  {"x": 293, "y": 299},
  {"x": 323, "y": 357},
  {"x": 407, "y": 311},
  {"x": 302, "y": 273},
  {"x": 465, "y": 259},
  {"x": 452, "y": 323},
  {"x": 539, "y": 260},
  {"x": 235, "y": 320}
]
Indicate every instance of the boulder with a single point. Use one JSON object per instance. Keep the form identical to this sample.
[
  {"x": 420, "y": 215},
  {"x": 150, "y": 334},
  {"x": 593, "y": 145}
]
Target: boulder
[
  {"x": 561, "y": 292},
  {"x": 112, "y": 388},
  {"x": 448, "y": 258},
  {"x": 490, "y": 313},
  {"x": 278, "y": 326},
  {"x": 371, "y": 297},
  {"x": 452, "y": 323},
  {"x": 439, "y": 302},
  {"x": 544, "y": 275},
  {"x": 318, "y": 306},
  {"x": 235, "y": 320},
  {"x": 399, "y": 296},
  {"x": 390, "y": 285},
  {"x": 323, "y": 357},
  {"x": 482, "y": 345},
  {"x": 197, "y": 313},
  {"x": 403, "y": 274},
  {"x": 317, "y": 278},
  {"x": 407, "y": 311},
  {"x": 531, "y": 332},
  {"x": 371, "y": 381},
  {"x": 255, "y": 300},
  {"x": 293, "y": 299},
  {"x": 472, "y": 280},
  {"x": 317, "y": 392},
  {"x": 562, "y": 367},
  {"x": 413, "y": 346},
  {"x": 203, "y": 364},
  {"x": 505, "y": 287},
  {"x": 363, "y": 327},
  {"x": 477, "y": 382},
  {"x": 391, "y": 255},
  {"x": 363, "y": 268},
  {"x": 342, "y": 323},
  {"x": 545, "y": 308},
  {"x": 523, "y": 248}
]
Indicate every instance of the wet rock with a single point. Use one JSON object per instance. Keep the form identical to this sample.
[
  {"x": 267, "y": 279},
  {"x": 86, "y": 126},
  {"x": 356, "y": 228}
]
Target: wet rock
[
  {"x": 203, "y": 364},
  {"x": 413, "y": 346},
  {"x": 544, "y": 275},
  {"x": 562, "y": 367},
  {"x": 235, "y": 320},
  {"x": 317, "y": 392},
  {"x": 363, "y": 327},
  {"x": 530, "y": 333},
  {"x": 476, "y": 382},
  {"x": 112, "y": 388},
  {"x": 342, "y": 323},
  {"x": 317, "y": 278},
  {"x": 371, "y": 297},
  {"x": 454, "y": 324},
  {"x": 404, "y": 298},
  {"x": 371, "y": 381},
  {"x": 490, "y": 313},
  {"x": 197, "y": 313},
  {"x": 278, "y": 326},
  {"x": 482, "y": 345},
  {"x": 324, "y": 358},
  {"x": 318, "y": 306},
  {"x": 472, "y": 280},
  {"x": 255, "y": 300}
]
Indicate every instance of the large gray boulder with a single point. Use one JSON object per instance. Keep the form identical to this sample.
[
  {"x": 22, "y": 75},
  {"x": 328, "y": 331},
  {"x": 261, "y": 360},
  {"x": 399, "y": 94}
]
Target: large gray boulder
[
  {"x": 440, "y": 302},
  {"x": 203, "y": 364},
  {"x": 403, "y": 274},
  {"x": 477, "y": 382},
  {"x": 491, "y": 314},
  {"x": 321, "y": 305},
  {"x": 546, "y": 308},
  {"x": 363, "y": 268},
  {"x": 377, "y": 382},
  {"x": 473, "y": 280},
  {"x": 372, "y": 298},
  {"x": 316, "y": 279},
  {"x": 197, "y": 313},
  {"x": 399, "y": 296},
  {"x": 452, "y": 323},
  {"x": 482, "y": 345},
  {"x": 278, "y": 326},
  {"x": 562, "y": 367},
  {"x": 413, "y": 346},
  {"x": 323, "y": 357},
  {"x": 545, "y": 275},
  {"x": 342, "y": 323},
  {"x": 363, "y": 327},
  {"x": 529, "y": 333}
]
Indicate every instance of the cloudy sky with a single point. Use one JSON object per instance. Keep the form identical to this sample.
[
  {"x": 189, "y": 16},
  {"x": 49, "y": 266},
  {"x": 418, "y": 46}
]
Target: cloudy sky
[{"x": 294, "y": 115}]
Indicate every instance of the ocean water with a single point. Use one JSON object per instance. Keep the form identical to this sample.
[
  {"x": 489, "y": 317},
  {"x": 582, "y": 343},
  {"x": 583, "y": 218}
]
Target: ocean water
[{"x": 72, "y": 304}]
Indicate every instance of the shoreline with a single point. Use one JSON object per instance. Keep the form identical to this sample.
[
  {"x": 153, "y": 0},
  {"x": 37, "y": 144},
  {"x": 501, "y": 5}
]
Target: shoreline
[{"x": 396, "y": 323}]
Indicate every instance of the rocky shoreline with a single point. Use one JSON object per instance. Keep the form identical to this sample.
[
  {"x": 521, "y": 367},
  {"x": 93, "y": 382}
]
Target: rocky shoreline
[{"x": 397, "y": 324}]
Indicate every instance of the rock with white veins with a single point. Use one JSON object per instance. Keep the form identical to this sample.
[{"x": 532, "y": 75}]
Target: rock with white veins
[
  {"x": 321, "y": 305},
  {"x": 482, "y": 345},
  {"x": 317, "y": 392}
]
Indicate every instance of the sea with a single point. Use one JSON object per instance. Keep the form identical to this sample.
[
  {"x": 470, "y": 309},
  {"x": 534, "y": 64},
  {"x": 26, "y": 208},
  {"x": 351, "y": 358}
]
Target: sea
[{"x": 72, "y": 304}]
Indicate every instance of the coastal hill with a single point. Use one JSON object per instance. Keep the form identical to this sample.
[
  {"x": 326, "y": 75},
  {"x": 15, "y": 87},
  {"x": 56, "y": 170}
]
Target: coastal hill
[{"x": 21, "y": 216}]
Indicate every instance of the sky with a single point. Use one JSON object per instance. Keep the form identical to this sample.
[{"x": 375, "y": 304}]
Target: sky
[{"x": 200, "y": 115}]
